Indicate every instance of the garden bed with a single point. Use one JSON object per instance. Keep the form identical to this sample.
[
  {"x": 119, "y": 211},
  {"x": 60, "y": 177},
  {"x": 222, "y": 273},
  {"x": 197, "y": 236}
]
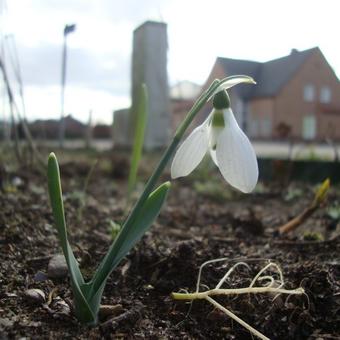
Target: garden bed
[{"x": 200, "y": 222}]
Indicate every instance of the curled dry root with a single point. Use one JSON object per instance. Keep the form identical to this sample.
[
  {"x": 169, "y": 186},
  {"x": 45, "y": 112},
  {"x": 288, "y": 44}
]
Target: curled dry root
[{"x": 271, "y": 285}]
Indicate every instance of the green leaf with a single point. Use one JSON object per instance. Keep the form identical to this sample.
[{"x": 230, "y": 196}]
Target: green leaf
[
  {"x": 137, "y": 228},
  {"x": 83, "y": 310},
  {"x": 130, "y": 233},
  {"x": 141, "y": 114}
]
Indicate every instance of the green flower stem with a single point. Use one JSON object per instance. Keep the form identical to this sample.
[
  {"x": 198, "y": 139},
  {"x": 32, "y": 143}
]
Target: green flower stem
[{"x": 105, "y": 267}]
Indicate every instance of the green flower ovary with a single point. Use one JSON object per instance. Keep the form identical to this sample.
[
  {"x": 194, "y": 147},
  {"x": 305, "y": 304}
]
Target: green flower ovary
[
  {"x": 217, "y": 120},
  {"x": 221, "y": 100}
]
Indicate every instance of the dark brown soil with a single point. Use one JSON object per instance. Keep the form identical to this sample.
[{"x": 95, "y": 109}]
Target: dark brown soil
[{"x": 200, "y": 222}]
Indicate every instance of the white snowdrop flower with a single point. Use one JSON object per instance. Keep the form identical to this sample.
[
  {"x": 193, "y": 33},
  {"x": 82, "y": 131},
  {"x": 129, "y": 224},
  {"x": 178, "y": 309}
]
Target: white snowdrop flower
[{"x": 229, "y": 147}]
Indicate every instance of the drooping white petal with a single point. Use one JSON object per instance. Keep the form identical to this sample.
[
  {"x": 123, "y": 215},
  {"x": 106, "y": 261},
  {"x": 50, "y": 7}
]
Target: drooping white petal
[
  {"x": 213, "y": 134},
  {"x": 191, "y": 152},
  {"x": 229, "y": 82},
  {"x": 213, "y": 156},
  {"x": 236, "y": 157}
]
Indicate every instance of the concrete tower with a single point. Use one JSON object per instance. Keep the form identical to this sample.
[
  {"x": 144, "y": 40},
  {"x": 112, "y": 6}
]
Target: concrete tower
[{"x": 149, "y": 66}]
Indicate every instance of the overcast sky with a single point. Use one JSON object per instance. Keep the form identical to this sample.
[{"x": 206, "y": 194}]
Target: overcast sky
[{"x": 99, "y": 51}]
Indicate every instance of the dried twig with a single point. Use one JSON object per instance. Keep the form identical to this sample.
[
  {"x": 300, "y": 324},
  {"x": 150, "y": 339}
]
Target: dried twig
[{"x": 319, "y": 198}]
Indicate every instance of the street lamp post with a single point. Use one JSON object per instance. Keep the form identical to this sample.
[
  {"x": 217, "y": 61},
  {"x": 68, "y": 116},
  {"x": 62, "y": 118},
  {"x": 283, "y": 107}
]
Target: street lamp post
[{"x": 67, "y": 29}]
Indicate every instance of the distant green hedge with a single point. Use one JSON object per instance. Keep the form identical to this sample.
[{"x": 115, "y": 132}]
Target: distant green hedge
[{"x": 302, "y": 170}]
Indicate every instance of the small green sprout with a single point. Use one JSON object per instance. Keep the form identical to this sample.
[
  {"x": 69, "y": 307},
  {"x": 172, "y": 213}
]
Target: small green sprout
[
  {"x": 334, "y": 212},
  {"x": 213, "y": 190},
  {"x": 313, "y": 236},
  {"x": 114, "y": 229},
  {"x": 139, "y": 130},
  {"x": 293, "y": 193},
  {"x": 83, "y": 196},
  {"x": 87, "y": 295}
]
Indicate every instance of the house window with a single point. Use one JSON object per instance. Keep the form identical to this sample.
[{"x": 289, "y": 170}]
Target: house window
[
  {"x": 325, "y": 95},
  {"x": 309, "y": 127},
  {"x": 308, "y": 93}
]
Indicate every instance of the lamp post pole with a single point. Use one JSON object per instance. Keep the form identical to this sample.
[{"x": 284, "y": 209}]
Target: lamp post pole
[{"x": 67, "y": 29}]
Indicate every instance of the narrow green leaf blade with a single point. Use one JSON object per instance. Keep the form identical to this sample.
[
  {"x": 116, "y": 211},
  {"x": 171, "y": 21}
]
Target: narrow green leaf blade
[
  {"x": 142, "y": 114},
  {"x": 143, "y": 221},
  {"x": 130, "y": 234},
  {"x": 83, "y": 310}
]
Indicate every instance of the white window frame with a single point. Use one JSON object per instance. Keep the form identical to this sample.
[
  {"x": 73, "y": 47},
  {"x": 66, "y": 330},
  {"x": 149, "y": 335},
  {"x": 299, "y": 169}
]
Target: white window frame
[
  {"x": 309, "y": 93},
  {"x": 325, "y": 95}
]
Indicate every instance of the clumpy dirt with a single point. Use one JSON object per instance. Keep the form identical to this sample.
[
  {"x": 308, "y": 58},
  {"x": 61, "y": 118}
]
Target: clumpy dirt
[{"x": 198, "y": 223}]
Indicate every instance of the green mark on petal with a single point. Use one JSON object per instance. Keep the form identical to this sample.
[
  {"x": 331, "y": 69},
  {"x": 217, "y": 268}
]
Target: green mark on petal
[{"x": 217, "y": 119}]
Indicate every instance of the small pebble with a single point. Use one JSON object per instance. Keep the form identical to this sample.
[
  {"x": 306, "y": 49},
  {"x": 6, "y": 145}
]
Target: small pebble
[
  {"x": 110, "y": 310},
  {"x": 40, "y": 276},
  {"x": 48, "y": 227},
  {"x": 60, "y": 307},
  {"x": 57, "y": 267},
  {"x": 35, "y": 295},
  {"x": 5, "y": 322}
]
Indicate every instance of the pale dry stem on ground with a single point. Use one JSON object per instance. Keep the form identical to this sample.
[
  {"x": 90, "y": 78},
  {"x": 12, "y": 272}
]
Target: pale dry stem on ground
[{"x": 271, "y": 285}]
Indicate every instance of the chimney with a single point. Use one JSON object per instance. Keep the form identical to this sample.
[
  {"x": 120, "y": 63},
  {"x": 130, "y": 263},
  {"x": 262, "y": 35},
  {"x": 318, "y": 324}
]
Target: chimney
[{"x": 149, "y": 66}]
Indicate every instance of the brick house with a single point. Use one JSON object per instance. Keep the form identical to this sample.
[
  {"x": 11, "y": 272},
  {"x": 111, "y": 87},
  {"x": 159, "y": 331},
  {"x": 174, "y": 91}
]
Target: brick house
[{"x": 296, "y": 96}]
